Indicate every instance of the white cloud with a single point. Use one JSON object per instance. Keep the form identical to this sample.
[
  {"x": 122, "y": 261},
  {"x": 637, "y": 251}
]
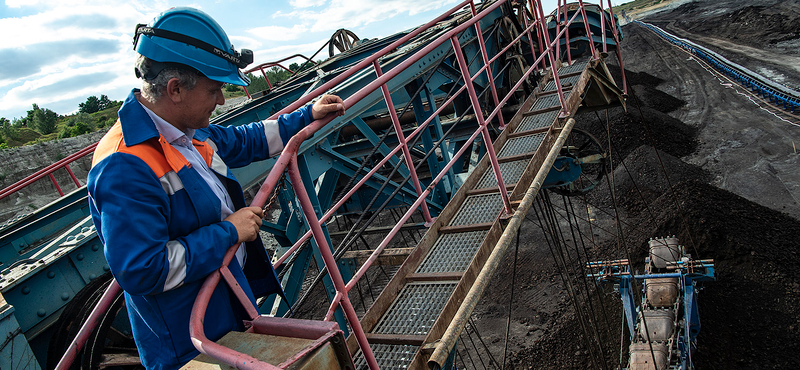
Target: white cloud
[
  {"x": 242, "y": 42},
  {"x": 355, "y": 13},
  {"x": 280, "y": 52},
  {"x": 278, "y": 33},
  {"x": 62, "y": 91},
  {"x": 306, "y": 3}
]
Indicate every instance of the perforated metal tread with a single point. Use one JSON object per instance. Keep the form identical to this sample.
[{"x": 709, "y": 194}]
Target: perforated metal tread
[
  {"x": 452, "y": 252},
  {"x": 416, "y": 308},
  {"x": 565, "y": 82},
  {"x": 538, "y": 121},
  {"x": 549, "y": 101},
  {"x": 478, "y": 209},
  {"x": 388, "y": 356},
  {"x": 521, "y": 145},
  {"x": 511, "y": 172},
  {"x": 577, "y": 66}
]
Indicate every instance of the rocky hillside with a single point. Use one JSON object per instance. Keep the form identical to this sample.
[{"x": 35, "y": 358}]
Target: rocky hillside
[{"x": 17, "y": 163}]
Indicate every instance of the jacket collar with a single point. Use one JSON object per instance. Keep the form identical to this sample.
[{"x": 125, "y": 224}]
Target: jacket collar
[{"x": 137, "y": 127}]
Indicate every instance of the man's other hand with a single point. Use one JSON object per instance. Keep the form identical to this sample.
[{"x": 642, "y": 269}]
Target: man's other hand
[
  {"x": 247, "y": 221},
  {"x": 327, "y": 104}
]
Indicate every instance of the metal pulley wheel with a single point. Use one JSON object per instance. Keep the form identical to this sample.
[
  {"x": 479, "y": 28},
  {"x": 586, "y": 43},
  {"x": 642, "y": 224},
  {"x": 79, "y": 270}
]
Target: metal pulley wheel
[
  {"x": 342, "y": 40},
  {"x": 110, "y": 346},
  {"x": 586, "y": 151}
]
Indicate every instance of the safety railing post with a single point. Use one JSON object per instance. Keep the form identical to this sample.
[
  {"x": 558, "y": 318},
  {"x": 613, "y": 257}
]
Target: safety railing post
[
  {"x": 330, "y": 262},
  {"x": 528, "y": 32},
  {"x": 402, "y": 141},
  {"x": 487, "y": 64},
  {"x": 603, "y": 26},
  {"x": 72, "y": 175},
  {"x": 538, "y": 6},
  {"x": 588, "y": 30},
  {"x": 619, "y": 54},
  {"x": 558, "y": 27},
  {"x": 566, "y": 36},
  {"x": 55, "y": 183},
  {"x": 473, "y": 96}
]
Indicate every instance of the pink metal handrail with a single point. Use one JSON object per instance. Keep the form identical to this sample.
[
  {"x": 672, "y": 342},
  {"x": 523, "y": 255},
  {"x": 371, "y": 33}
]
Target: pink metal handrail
[
  {"x": 589, "y": 36},
  {"x": 487, "y": 64},
  {"x": 48, "y": 171},
  {"x": 341, "y": 297},
  {"x": 616, "y": 40},
  {"x": 387, "y": 97}
]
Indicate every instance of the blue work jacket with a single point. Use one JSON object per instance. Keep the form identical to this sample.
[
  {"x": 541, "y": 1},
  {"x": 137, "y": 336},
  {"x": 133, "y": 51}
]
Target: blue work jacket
[{"x": 160, "y": 225}]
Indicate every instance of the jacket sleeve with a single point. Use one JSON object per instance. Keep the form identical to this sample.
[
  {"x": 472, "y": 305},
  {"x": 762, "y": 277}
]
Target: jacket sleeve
[
  {"x": 238, "y": 146},
  {"x": 131, "y": 211}
]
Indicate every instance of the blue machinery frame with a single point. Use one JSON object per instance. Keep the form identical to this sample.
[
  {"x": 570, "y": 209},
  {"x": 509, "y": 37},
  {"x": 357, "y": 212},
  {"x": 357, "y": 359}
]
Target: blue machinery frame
[{"x": 689, "y": 273}]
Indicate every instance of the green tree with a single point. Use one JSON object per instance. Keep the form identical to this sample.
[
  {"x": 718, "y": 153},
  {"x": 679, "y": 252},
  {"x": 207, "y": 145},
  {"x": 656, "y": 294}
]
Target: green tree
[
  {"x": 8, "y": 130},
  {"x": 4, "y": 125},
  {"x": 80, "y": 129},
  {"x": 91, "y": 105},
  {"x": 86, "y": 118},
  {"x": 94, "y": 104},
  {"x": 44, "y": 120}
]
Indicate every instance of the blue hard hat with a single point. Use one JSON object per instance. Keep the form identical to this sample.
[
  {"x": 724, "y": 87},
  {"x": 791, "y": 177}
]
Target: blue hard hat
[{"x": 184, "y": 36}]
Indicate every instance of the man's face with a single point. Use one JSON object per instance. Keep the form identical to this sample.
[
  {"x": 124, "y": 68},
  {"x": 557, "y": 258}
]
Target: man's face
[{"x": 199, "y": 103}]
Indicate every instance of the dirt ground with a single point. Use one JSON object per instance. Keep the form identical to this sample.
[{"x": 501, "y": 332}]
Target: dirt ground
[{"x": 729, "y": 189}]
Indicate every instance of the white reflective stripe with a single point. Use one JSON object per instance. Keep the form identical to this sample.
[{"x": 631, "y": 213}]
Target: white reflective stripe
[
  {"x": 171, "y": 182},
  {"x": 218, "y": 165},
  {"x": 273, "y": 133},
  {"x": 176, "y": 254},
  {"x": 212, "y": 144}
]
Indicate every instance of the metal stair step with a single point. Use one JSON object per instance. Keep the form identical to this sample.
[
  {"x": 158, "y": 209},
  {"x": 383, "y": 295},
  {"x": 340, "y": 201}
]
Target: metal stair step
[
  {"x": 549, "y": 101},
  {"x": 452, "y": 252},
  {"x": 565, "y": 82},
  {"x": 478, "y": 209},
  {"x": 536, "y": 121},
  {"x": 388, "y": 356},
  {"x": 521, "y": 145},
  {"x": 511, "y": 172},
  {"x": 577, "y": 66}
]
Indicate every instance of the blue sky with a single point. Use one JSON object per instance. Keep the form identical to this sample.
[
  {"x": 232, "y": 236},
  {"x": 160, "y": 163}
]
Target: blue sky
[{"x": 56, "y": 53}]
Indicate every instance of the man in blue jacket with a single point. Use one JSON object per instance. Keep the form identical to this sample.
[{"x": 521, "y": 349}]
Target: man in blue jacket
[{"x": 162, "y": 196}]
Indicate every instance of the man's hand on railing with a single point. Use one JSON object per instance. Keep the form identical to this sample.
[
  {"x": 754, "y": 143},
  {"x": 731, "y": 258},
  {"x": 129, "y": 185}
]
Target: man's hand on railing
[
  {"x": 247, "y": 221},
  {"x": 327, "y": 104}
]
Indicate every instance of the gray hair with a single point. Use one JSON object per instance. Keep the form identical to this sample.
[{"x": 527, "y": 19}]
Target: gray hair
[{"x": 152, "y": 90}]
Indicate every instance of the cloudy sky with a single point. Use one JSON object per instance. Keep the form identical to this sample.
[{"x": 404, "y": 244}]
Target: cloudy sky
[{"x": 56, "y": 53}]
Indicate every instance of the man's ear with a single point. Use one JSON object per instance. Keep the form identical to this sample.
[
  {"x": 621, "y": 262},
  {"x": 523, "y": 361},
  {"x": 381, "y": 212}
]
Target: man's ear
[{"x": 175, "y": 90}]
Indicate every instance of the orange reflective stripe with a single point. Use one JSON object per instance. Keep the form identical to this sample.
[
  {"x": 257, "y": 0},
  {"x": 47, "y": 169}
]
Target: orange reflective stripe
[
  {"x": 159, "y": 155},
  {"x": 206, "y": 151},
  {"x": 110, "y": 143}
]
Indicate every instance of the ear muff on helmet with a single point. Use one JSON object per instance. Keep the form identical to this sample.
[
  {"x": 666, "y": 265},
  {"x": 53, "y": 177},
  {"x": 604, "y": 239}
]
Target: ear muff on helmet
[{"x": 190, "y": 37}]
